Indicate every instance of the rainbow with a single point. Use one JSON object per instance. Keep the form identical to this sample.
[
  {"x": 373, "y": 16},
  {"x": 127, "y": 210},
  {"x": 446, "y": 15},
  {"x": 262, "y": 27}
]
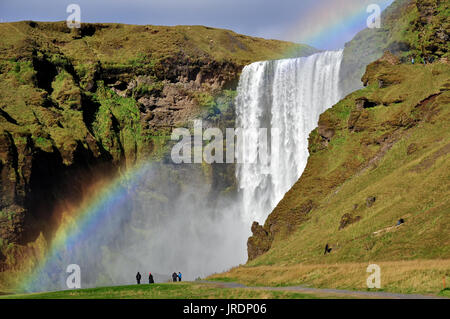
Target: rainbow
[
  {"x": 84, "y": 220},
  {"x": 340, "y": 18},
  {"x": 323, "y": 24}
]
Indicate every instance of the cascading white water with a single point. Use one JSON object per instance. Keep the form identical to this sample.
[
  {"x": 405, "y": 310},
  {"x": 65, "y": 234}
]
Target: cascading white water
[{"x": 286, "y": 97}]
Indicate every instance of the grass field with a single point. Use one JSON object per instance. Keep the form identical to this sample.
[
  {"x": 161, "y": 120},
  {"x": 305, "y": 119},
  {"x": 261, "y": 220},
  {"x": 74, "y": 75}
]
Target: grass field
[{"x": 186, "y": 290}]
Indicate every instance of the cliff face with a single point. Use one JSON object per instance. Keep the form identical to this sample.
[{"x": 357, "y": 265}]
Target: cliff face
[
  {"x": 409, "y": 29},
  {"x": 78, "y": 106},
  {"x": 351, "y": 187}
]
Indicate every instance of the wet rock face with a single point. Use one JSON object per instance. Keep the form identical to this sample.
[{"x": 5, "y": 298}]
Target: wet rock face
[
  {"x": 259, "y": 243},
  {"x": 12, "y": 223},
  {"x": 69, "y": 145},
  {"x": 169, "y": 94},
  {"x": 34, "y": 177},
  {"x": 32, "y": 181}
]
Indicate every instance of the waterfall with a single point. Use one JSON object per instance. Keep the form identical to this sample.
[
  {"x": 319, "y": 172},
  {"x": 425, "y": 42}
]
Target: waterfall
[
  {"x": 161, "y": 220},
  {"x": 286, "y": 97}
]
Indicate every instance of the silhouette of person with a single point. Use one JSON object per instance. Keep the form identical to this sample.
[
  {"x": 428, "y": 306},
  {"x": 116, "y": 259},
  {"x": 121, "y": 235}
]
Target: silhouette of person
[
  {"x": 179, "y": 276},
  {"x": 327, "y": 249},
  {"x": 174, "y": 277},
  {"x": 150, "y": 278},
  {"x": 138, "y": 278}
]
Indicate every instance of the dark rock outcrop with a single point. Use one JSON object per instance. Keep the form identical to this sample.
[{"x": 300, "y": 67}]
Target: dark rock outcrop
[
  {"x": 259, "y": 243},
  {"x": 370, "y": 201},
  {"x": 348, "y": 219}
]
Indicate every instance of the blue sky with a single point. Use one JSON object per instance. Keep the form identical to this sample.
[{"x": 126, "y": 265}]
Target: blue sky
[{"x": 278, "y": 19}]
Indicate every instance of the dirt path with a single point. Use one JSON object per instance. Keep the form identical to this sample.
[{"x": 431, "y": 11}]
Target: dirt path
[{"x": 328, "y": 292}]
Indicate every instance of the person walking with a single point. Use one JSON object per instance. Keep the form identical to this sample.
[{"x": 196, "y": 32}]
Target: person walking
[
  {"x": 138, "y": 278},
  {"x": 174, "y": 277},
  {"x": 179, "y": 276},
  {"x": 150, "y": 278},
  {"x": 327, "y": 249}
]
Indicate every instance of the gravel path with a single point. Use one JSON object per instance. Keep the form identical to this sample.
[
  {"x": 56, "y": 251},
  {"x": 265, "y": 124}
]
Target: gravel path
[{"x": 334, "y": 292}]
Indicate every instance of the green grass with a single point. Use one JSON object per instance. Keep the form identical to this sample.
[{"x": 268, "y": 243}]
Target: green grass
[
  {"x": 164, "y": 291},
  {"x": 445, "y": 292},
  {"x": 225, "y": 279}
]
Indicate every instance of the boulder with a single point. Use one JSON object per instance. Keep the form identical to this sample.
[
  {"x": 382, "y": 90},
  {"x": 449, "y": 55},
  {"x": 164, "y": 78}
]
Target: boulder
[
  {"x": 259, "y": 243},
  {"x": 348, "y": 219}
]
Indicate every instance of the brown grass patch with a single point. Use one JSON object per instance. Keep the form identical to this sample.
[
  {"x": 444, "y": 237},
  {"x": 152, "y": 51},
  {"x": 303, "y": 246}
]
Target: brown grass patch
[{"x": 417, "y": 276}]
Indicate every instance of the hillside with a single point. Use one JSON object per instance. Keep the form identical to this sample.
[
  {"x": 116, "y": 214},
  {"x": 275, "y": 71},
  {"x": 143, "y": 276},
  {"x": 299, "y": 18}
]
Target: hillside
[
  {"x": 409, "y": 29},
  {"x": 79, "y": 106},
  {"x": 379, "y": 156}
]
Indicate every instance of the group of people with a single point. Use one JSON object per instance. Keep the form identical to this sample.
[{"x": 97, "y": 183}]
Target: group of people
[
  {"x": 150, "y": 278},
  {"x": 175, "y": 277}
]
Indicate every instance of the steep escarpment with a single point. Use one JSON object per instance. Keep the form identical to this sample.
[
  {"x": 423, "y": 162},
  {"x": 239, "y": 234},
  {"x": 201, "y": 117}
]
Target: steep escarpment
[
  {"x": 378, "y": 156},
  {"x": 409, "y": 29},
  {"x": 79, "y": 106}
]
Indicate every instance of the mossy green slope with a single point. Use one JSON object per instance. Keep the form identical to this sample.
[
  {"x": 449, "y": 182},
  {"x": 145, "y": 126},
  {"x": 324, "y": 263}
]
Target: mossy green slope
[{"x": 387, "y": 159}]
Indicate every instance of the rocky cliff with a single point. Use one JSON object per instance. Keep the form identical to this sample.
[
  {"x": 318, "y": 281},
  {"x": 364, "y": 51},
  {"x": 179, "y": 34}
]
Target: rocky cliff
[
  {"x": 351, "y": 189},
  {"x": 79, "y": 106},
  {"x": 409, "y": 29}
]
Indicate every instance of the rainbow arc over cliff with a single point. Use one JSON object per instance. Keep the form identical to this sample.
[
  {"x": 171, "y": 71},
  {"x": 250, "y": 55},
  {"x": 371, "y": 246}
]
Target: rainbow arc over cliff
[{"x": 92, "y": 213}]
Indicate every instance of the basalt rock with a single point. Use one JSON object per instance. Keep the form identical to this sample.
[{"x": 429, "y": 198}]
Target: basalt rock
[{"x": 259, "y": 243}]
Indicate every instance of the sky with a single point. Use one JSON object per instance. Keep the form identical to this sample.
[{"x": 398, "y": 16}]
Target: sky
[{"x": 324, "y": 24}]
